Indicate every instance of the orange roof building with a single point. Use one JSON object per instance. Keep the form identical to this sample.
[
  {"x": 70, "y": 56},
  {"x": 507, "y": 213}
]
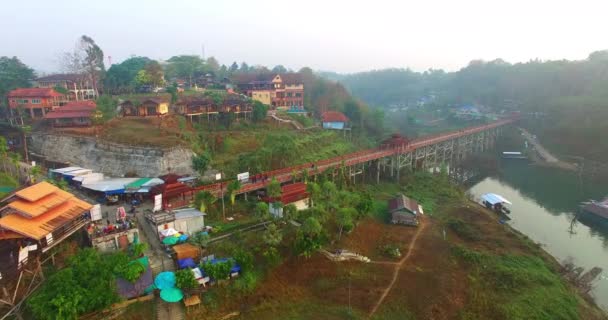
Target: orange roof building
[{"x": 42, "y": 214}]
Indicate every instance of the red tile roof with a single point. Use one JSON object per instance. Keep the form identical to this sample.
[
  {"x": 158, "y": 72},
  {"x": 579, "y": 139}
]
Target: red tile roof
[
  {"x": 69, "y": 114},
  {"x": 334, "y": 116},
  {"x": 78, "y": 106},
  {"x": 34, "y": 93}
]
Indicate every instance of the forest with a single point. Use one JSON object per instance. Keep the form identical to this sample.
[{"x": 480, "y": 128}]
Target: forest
[{"x": 563, "y": 101}]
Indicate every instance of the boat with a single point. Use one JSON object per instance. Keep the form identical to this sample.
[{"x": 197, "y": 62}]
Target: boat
[
  {"x": 496, "y": 203},
  {"x": 597, "y": 208}
]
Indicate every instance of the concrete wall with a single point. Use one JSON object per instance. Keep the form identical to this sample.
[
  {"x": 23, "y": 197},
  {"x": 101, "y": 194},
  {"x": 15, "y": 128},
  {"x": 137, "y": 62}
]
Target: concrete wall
[
  {"x": 109, "y": 243},
  {"x": 110, "y": 158}
]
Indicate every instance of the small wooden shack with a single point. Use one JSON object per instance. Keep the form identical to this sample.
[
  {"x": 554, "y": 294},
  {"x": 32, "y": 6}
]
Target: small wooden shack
[
  {"x": 404, "y": 210},
  {"x": 186, "y": 250}
]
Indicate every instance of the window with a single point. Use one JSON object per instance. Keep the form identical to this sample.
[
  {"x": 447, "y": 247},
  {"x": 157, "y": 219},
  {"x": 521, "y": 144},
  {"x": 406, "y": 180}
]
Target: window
[
  {"x": 289, "y": 94},
  {"x": 35, "y": 101},
  {"x": 298, "y": 95}
]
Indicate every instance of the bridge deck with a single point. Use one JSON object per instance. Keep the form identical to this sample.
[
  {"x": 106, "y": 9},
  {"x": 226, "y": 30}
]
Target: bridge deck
[{"x": 285, "y": 174}]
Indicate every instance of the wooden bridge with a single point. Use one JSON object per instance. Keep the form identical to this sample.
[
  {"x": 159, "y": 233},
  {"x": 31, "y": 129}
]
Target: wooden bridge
[{"x": 422, "y": 153}]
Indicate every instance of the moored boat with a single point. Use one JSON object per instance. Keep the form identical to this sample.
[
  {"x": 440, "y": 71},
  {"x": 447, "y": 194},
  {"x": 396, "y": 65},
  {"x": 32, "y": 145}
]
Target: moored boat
[
  {"x": 597, "y": 208},
  {"x": 496, "y": 202}
]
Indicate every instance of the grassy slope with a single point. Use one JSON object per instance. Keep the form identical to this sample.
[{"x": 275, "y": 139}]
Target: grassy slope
[{"x": 495, "y": 274}]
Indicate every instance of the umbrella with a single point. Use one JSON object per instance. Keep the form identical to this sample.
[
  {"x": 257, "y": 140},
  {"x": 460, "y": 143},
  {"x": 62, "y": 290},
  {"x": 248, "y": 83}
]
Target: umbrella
[
  {"x": 165, "y": 280},
  {"x": 171, "y": 294},
  {"x": 170, "y": 240}
]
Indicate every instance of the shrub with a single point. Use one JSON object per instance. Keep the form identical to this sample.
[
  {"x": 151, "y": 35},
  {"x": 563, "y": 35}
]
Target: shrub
[
  {"x": 247, "y": 282},
  {"x": 131, "y": 271},
  {"x": 463, "y": 229},
  {"x": 218, "y": 270},
  {"x": 184, "y": 279},
  {"x": 391, "y": 250}
]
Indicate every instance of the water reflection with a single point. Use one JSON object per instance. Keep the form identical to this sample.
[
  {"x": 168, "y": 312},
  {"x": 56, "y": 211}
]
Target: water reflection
[{"x": 544, "y": 202}]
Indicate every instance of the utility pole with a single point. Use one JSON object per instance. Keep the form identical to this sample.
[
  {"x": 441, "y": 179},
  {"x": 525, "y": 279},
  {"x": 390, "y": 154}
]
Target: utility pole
[{"x": 223, "y": 207}]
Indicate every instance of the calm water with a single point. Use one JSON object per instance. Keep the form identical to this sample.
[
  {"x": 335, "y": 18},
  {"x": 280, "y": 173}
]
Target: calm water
[{"x": 544, "y": 202}]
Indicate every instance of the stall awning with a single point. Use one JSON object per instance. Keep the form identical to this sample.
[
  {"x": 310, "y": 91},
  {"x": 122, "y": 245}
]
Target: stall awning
[
  {"x": 110, "y": 186},
  {"x": 138, "y": 183},
  {"x": 493, "y": 198}
]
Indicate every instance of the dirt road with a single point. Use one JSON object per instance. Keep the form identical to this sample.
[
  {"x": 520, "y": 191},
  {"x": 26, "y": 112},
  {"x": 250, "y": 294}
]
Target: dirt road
[{"x": 398, "y": 267}]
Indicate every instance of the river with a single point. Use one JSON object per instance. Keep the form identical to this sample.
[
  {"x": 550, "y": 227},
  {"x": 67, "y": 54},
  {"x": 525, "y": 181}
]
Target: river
[{"x": 544, "y": 202}]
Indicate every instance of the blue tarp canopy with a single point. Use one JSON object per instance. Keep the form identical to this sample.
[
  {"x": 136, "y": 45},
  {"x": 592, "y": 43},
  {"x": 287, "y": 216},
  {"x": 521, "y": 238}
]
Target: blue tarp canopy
[
  {"x": 186, "y": 263},
  {"x": 164, "y": 280},
  {"x": 235, "y": 267},
  {"x": 171, "y": 294},
  {"x": 493, "y": 198}
]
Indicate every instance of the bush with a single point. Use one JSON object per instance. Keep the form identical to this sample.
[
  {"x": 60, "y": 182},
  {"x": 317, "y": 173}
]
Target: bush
[
  {"x": 463, "y": 229},
  {"x": 247, "y": 282},
  {"x": 273, "y": 257},
  {"x": 391, "y": 250},
  {"x": 131, "y": 271},
  {"x": 219, "y": 270},
  {"x": 244, "y": 259},
  {"x": 184, "y": 279}
]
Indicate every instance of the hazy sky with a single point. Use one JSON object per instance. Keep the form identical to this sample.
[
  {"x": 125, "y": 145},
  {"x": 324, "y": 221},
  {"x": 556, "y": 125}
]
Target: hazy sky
[{"x": 343, "y": 36}]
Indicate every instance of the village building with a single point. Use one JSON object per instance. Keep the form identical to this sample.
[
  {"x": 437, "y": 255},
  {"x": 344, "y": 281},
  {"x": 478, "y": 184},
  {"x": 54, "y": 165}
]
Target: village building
[
  {"x": 334, "y": 120},
  {"x": 146, "y": 107},
  {"x": 73, "y": 114},
  {"x": 78, "y": 86},
  {"x": 282, "y": 91},
  {"x": 33, "y": 220},
  {"x": 36, "y": 102},
  {"x": 404, "y": 210},
  {"x": 294, "y": 193},
  {"x": 204, "y": 107}
]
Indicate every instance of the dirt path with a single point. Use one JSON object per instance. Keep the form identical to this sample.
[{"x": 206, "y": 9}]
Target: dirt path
[
  {"x": 544, "y": 154},
  {"x": 398, "y": 267}
]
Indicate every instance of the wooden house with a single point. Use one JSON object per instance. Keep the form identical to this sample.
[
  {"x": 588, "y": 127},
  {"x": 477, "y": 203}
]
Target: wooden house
[
  {"x": 73, "y": 114},
  {"x": 404, "y": 210},
  {"x": 146, "y": 107}
]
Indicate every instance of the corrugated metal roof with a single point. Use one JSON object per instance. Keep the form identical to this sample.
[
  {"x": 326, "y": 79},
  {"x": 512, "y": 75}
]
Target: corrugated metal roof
[
  {"x": 187, "y": 213},
  {"x": 494, "y": 198}
]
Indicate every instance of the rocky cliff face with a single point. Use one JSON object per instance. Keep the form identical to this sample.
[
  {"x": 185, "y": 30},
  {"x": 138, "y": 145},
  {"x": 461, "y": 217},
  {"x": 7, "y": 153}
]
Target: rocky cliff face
[{"x": 110, "y": 158}]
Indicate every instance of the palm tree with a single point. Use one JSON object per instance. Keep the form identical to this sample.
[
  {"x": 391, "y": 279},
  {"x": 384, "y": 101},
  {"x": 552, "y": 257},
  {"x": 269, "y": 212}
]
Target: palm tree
[
  {"x": 204, "y": 200},
  {"x": 233, "y": 187},
  {"x": 34, "y": 173}
]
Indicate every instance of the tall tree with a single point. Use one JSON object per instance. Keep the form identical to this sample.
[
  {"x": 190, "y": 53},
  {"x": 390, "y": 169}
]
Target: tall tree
[
  {"x": 279, "y": 69},
  {"x": 234, "y": 67},
  {"x": 155, "y": 74},
  {"x": 87, "y": 60},
  {"x": 13, "y": 74},
  {"x": 212, "y": 65},
  {"x": 185, "y": 66},
  {"x": 120, "y": 78},
  {"x": 244, "y": 67}
]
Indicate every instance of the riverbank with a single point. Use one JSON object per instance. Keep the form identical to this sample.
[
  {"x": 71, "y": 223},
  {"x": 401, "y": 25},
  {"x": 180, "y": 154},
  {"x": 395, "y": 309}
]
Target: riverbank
[{"x": 540, "y": 155}]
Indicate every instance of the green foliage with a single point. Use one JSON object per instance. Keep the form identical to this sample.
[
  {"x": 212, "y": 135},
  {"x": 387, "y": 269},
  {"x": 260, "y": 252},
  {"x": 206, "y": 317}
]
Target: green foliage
[
  {"x": 261, "y": 211},
  {"x": 130, "y": 271},
  {"x": 392, "y": 251},
  {"x": 199, "y": 239},
  {"x": 272, "y": 236},
  {"x": 290, "y": 211},
  {"x": 345, "y": 218},
  {"x": 203, "y": 200},
  {"x": 185, "y": 66},
  {"x": 244, "y": 259},
  {"x": 432, "y": 190},
  {"x": 525, "y": 285},
  {"x": 464, "y": 230},
  {"x": 13, "y": 74},
  {"x": 200, "y": 162},
  {"x": 246, "y": 282},
  {"x": 106, "y": 105},
  {"x": 310, "y": 237},
  {"x": 138, "y": 250},
  {"x": 60, "y": 183},
  {"x": 61, "y": 90},
  {"x": 233, "y": 187},
  {"x": 120, "y": 78},
  {"x": 274, "y": 189},
  {"x": 85, "y": 285},
  {"x": 218, "y": 270},
  {"x": 184, "y": 279},
  {"x": 272, "y": 256},
  {"x": 259, "y": 111}
]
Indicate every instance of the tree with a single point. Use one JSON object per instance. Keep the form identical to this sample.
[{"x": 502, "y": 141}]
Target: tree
[
  {"x": 142, "y": 78},
  {"x": 219, "y": 270},
  {"x": 345, "y": 219},
  {"x": 365, "y": 205},
  {"x": 13, "y": 74},
  {"x": 185, "y": 66},
  {"x": 329, "y": 191},
  {"x": 279, "y": 69},
  {"x": 203, "y": 200},
  {"x": 234, "y": 67},
  {"x": 86, "y": 59},
  {"x": 200, "y": 162},
  {"x": 260, "y": 111},
  {"x": 16, "y": 160},
  {"x": 274, "y": 189},
  {"x": 261, "y": 210},
  {"x": 272, "y": 236},
  {"x": 4, "y": 152},
  {"x": 290, "y": 211},
  {"x": 226, "y": 119},
  {"x": 199, "y": 239},
  {"x": 35, "y": 171},
  {"x": 244, "y": 259},
  {"x": 155, "y": 74},
  {"x": 213, "y": 65},
  {"x": 106, "y": 108},
  {"x": 244, "y": 68},
  {"x": 309, "y": 238},
  {"x": 172, "y": 90},
  {"x": 314, "y": 191},
  {"x": 120, "y": 78}
]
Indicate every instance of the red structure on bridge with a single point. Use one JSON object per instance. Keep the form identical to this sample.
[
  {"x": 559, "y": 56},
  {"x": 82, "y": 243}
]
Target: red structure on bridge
[{"x": 387, "y": 150}]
